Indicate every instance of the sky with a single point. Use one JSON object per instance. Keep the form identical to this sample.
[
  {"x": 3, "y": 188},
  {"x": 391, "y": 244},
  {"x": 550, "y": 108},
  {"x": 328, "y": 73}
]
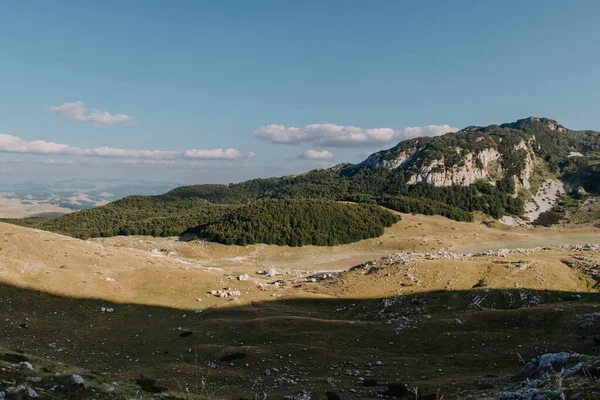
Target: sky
[{"x": 224, "y": 91}]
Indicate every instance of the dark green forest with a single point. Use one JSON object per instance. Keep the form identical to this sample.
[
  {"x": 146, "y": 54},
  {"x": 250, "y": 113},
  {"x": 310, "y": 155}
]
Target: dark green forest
[
  {"x": 293, "y": 222},
  {"x": 298, "y": 222},
  {"x": 134, "y": 215}
]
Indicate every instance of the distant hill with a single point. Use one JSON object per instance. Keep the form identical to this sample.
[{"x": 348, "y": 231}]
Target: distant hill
[{"x": 39, "y": 198}]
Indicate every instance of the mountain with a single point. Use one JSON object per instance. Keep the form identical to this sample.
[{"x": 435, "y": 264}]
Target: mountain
[
  {"x": 513, "y": 169},
  {"x": 518, "y": 151},
  {"x": 533, "y": 170}
]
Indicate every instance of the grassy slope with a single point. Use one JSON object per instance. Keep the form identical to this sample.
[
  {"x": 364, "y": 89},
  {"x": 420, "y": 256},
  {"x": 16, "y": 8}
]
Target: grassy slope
[
  {"x": 152, "y": 293},
  {"x": 55, "y": 377},
  {"x": 306, "y": 340}
]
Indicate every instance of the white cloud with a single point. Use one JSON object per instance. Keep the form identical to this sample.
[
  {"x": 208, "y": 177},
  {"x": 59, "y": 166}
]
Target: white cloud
[
  {"x": 52, "y": 161},
  {"x": 429, "y": 130},
  {"x": 123, "y": 153},
  {"x": 216, "y": 154},
  {"x": 14, "y": 144},
  {"x": 76, "y": 110},
  {"x": 148, "y": 162},
  {"x": 315, "y": 155},
  {"x": 344, "y": 136}
]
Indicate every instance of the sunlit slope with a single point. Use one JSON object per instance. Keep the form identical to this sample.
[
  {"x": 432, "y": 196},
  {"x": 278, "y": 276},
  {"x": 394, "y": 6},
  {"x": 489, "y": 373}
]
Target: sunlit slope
[{"x": 173, "y": 273}]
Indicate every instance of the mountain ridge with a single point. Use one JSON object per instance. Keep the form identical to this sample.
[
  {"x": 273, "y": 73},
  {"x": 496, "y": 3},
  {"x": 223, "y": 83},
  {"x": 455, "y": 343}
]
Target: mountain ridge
[{"x": 499, "y": 170}]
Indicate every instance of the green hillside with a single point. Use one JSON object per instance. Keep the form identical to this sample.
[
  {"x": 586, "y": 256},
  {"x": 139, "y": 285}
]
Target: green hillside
[
  {"x": 526, "y": 152},
  {"x": 298, "y": 222}
]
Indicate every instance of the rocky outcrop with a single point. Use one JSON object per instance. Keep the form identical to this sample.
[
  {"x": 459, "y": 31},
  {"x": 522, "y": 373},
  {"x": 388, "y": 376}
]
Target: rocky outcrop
[
  {"x": 523, "y": 178},
  {"x": 483, "y": 165},
  {"x": 375, "y": 161}
]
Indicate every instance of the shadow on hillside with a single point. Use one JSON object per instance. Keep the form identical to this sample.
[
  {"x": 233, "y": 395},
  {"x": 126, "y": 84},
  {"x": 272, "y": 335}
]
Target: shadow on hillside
[{"x": 436, "y": 340}]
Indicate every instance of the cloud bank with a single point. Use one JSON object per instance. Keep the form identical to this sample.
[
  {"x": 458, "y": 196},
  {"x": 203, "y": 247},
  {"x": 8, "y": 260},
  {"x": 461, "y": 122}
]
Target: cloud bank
[
  {"x": 216, "y": 154},
  {"x": 344, "y": 136},
  {"x": 76, "y": 110},
  {"x": 315, "y": 155},
  {"x": 14, "y": 144}
]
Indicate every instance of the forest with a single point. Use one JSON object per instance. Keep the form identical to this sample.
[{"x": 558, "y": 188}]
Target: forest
[
  {"x": 293, "y": 222},
  {"x": 298, "y": 222},
  {"x": 248, "y": 211}
]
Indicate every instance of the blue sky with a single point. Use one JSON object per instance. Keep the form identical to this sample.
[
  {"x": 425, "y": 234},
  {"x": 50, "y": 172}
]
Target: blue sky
[{"x": 191, "y": 79}]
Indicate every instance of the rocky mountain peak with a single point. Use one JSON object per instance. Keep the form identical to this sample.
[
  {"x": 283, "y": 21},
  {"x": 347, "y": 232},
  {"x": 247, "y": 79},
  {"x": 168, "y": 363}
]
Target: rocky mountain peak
[
  {"x": 492, "y": 153},
  {"x": 536, "y": 123}
]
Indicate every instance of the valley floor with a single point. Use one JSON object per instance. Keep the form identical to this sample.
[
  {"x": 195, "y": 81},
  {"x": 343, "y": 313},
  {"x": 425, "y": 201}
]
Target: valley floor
[{"x": 433, "y": 304}]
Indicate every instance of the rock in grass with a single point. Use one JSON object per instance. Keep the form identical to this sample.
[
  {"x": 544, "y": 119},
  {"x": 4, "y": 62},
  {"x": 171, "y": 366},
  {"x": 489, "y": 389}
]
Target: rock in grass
[
  {"x": 22, "y": 365},
  {"x": 20, "y": 393},
  {"x": 302, "y": 396},
  {"x": 186, "y": 333},
  {"x": 76, "y": 382}
]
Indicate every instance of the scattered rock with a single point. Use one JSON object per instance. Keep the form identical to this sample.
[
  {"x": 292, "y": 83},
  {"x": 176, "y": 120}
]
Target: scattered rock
[
  {"x": 225, "y": 293},
  {"x": 302, "y": 396},
  {"x": 76, "y": 382},
  {"x": 22, "y": 365},
  {"x": 591, "y": 320},
  {"x": 20, "y": 393}
]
